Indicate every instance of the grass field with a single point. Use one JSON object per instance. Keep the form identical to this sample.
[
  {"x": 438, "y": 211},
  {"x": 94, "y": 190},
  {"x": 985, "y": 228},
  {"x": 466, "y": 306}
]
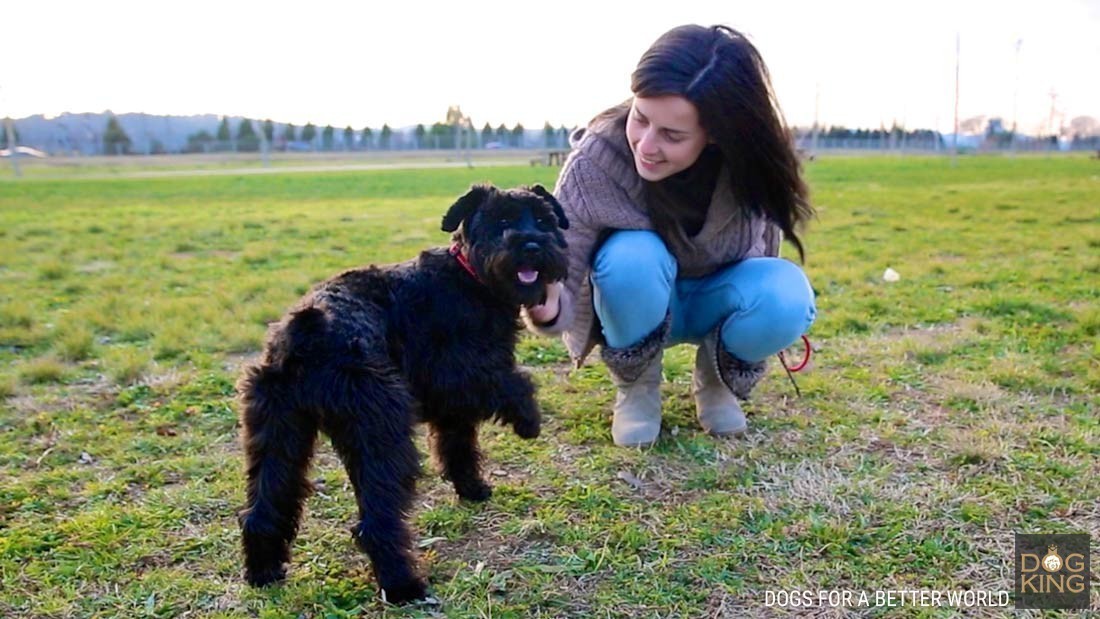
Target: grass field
[{"x": 945, "y": 411}]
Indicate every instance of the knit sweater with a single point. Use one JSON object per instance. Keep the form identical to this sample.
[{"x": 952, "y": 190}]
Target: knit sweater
[{"x": 601, "y": 192}]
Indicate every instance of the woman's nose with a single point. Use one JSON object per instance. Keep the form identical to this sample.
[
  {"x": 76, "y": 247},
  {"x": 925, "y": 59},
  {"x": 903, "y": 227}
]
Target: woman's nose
[{"x": 647, "y": 145}]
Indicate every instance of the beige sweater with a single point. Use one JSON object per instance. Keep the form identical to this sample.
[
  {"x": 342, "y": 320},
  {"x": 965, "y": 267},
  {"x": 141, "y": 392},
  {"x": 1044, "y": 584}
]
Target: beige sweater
[{"x": 600, "y": 191}]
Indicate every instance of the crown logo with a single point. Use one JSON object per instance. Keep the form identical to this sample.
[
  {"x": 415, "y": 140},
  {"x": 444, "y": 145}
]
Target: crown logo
[{"x": 1052, "y": 562}]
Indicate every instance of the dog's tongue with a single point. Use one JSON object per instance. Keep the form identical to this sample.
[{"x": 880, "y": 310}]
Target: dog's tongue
[{"x": 527, "y": 276}]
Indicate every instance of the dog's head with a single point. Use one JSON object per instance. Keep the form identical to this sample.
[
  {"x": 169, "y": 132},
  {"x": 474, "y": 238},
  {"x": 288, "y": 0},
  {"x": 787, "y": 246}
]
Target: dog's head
[{"x": 512, "y": 239}]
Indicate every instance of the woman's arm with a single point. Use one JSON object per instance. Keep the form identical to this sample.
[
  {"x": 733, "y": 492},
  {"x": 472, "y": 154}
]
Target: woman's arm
[
  {"x": 555, "y": 315},
  {"x": 547, "y": 313}
]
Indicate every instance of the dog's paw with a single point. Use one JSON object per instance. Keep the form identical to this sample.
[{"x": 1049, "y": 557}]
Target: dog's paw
[
  {"x": 527, "y": 428},
  {"x": 410, "y": 591},
  {"x": 476, "y": 490},
  {"x": 265, "y": 577}
]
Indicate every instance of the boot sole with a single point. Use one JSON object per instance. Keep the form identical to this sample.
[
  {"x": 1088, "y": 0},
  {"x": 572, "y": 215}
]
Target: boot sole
[
  {"x": 649, "y": 444},
  {"x": 738, "y": 432}
]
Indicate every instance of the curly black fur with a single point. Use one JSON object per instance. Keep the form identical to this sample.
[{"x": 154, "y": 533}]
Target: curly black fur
[{"x": 370, "y": 352}]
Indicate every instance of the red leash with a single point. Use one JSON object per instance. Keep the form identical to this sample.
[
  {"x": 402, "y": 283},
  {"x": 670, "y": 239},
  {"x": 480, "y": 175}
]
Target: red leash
[
  {"x": 805, "y": 360},
  {"x": 801, "y": 365}
]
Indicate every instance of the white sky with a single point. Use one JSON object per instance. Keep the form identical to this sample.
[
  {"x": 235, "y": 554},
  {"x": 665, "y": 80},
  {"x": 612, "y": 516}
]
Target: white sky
[{"x": 562, "y": 61}]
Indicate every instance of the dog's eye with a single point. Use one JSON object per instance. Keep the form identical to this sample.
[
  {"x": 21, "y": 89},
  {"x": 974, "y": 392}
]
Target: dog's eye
[{"x": 504, "y": 223}]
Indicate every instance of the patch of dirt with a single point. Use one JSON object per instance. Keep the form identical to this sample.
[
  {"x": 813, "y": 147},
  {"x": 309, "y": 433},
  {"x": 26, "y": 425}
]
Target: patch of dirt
[{"x": 96, "y": 266}]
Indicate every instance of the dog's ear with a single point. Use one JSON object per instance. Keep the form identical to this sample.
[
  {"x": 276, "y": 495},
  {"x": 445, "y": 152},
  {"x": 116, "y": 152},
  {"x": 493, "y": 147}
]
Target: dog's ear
[
  {"x": 465, "y": 206},
  {"x": 541, "y": 192}
]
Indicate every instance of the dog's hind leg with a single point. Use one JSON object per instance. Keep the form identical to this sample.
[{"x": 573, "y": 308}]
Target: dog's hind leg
[
  {"x": 369, "y": 416},
  {"x": 455, "y": 448},
  {"x": 278, "y": 441}
]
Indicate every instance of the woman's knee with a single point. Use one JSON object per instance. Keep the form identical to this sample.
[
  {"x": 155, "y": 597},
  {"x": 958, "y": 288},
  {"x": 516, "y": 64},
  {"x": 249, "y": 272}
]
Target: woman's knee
[
  {"x": 633, "y": 276},
  {"x": 778, "y": 308},
  {"x": 630, "y": 260},
  {"x": 786, "y": 294}
]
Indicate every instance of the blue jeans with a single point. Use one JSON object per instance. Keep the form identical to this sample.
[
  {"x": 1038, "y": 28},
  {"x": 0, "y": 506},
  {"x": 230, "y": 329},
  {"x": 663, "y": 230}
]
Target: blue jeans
[{"x": 762, "y": 304}]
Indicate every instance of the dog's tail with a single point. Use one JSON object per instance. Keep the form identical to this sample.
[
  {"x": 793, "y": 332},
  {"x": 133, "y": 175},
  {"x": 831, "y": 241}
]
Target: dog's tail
[{"x": 278, "y": 435}]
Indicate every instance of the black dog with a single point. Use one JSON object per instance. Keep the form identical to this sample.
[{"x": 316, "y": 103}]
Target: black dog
[{"x": 372, "y": 351}]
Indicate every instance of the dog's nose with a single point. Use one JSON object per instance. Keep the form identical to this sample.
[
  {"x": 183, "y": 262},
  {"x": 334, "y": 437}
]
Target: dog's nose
[{"x": 530, "y": 248}]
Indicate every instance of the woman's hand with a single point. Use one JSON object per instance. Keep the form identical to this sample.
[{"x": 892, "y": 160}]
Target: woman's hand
[{"x": 547, "y": 312}]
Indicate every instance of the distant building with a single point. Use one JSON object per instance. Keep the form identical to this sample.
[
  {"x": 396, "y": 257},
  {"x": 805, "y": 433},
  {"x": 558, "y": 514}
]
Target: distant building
[{"x": 23, "y": 151}]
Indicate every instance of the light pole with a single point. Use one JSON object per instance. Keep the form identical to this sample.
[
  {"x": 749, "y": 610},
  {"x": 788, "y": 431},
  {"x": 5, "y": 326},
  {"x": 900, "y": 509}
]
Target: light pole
[
  {"x": 955, "y": 148},
  {"x": 12, "y": 152},
  {"x": 817, "y": 110},
  {"x": 9, "y": 127},
  {"x": 1016, "y": 95},
  {"x": 1050, "y": 121}
]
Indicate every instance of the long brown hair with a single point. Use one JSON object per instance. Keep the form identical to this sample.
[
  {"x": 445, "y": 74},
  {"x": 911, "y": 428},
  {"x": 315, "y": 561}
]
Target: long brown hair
[{"x": 719, "y": 71}]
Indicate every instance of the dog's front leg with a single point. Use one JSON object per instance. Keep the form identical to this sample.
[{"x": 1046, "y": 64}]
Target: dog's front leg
[
  {"x": 454, "y": 446},
  {"x": 519, "y": 407}
]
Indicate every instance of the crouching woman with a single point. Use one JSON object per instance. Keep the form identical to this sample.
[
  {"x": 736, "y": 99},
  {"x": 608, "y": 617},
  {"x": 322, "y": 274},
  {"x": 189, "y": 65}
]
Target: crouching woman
[{"x": 678, "y": 200}]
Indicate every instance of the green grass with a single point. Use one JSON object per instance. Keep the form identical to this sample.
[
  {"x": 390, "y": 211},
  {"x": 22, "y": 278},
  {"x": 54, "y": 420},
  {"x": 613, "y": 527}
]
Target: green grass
[{"x": 944, "y": 412}]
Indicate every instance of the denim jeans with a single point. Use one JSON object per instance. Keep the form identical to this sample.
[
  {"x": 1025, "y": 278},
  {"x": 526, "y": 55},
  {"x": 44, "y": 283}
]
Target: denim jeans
[{"x": 762, "y": 304}]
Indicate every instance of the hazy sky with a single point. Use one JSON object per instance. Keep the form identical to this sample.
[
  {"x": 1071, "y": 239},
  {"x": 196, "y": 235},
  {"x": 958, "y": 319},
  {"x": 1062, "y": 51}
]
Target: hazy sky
[{"x": 341, "y": 63}]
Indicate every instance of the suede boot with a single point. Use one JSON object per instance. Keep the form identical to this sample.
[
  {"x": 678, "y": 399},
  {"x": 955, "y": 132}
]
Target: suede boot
[
  {"x": 636, "y": 373},
  {"x": 637, "y": 409},
  {"x": 715, "y": 405}
]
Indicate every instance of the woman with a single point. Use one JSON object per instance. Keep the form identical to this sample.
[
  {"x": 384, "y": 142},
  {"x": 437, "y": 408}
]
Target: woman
[{"x": 677, "y": 202}]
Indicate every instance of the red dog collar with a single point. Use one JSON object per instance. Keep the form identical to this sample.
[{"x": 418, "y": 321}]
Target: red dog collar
[{"x": 456, "y": 251}]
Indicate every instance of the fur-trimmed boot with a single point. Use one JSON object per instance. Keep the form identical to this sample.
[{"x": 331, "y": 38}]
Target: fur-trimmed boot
[
  {"x": 636, "y": 373},
  {"x": 716, "y": 407},
  {"x": 718, "y": 378}
]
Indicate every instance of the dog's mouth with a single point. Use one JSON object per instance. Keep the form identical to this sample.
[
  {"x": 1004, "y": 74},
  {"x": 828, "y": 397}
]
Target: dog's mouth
[{"x": 527, "y": 276}]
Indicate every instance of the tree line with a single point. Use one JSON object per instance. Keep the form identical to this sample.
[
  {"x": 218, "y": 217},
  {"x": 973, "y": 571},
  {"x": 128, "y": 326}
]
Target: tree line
[
  {"x": 250, "y": 136},
  {"x": 458, "y": 132}
]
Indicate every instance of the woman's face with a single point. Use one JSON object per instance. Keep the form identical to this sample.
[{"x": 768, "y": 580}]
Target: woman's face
[{"x": 664, "y": 135}]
